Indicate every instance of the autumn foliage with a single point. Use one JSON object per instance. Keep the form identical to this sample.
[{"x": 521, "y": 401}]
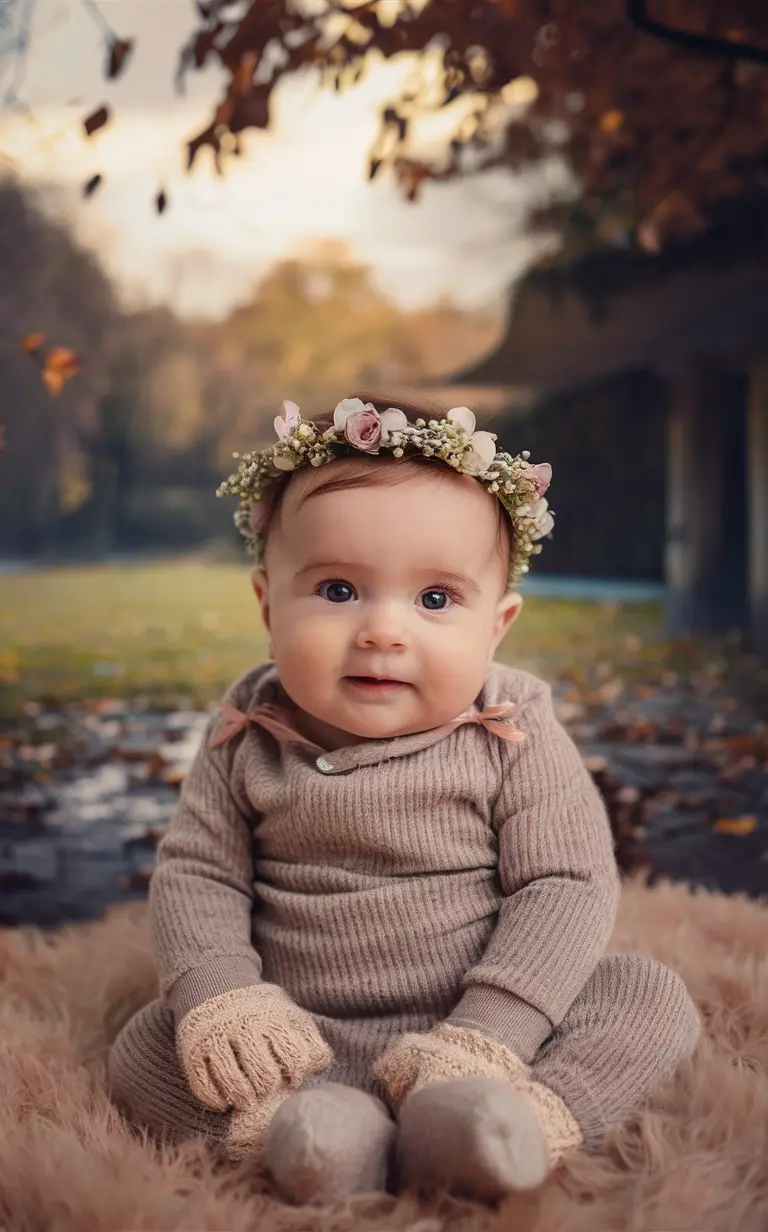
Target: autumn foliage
[
  {"x": 57, "y": 365},
  {"x": 656, "y": 132}
]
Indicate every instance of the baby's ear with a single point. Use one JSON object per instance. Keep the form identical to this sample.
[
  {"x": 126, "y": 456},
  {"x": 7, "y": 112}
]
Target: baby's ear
[
  {"x": 507, "y": 611},
  {"x": 261, "y": 590}
]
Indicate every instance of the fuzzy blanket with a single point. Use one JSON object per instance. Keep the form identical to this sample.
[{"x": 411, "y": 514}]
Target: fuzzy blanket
[{"x": 697, "y": 1159}]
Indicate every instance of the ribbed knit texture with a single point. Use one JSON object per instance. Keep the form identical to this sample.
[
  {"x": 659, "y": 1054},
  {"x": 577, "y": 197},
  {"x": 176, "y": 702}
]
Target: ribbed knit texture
[
  {"x": 393, "y": 885},
  {"x": 382, "y": 888}
]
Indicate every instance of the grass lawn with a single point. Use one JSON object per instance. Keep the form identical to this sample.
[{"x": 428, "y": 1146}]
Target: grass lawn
[{"x": 177, "y": 632}]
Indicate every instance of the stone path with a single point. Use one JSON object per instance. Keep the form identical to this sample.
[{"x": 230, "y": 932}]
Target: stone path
[{"x": 85, "y": 795}]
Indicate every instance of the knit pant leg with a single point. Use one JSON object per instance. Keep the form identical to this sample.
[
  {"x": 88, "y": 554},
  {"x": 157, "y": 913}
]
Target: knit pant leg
[
  {"x": 148, "y": 1084},
  {"x": 628, "y": 1031}
]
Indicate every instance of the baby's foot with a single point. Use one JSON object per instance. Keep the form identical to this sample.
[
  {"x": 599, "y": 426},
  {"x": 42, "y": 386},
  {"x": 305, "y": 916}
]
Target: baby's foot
[
  {"x": 477, "y": 1137},
  {"x": 327, "y": 1142}
]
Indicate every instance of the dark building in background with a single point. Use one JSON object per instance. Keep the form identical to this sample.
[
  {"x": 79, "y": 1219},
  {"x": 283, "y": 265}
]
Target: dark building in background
[{"x": 652, "y": 403}]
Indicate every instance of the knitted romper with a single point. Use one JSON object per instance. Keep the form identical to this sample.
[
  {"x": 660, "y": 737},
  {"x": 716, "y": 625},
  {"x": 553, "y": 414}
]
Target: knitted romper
[{"x": 394, "y": 884}]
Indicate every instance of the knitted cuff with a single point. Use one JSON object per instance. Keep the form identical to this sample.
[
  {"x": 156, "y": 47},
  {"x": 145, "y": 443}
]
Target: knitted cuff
[
  {"x": 505, "y": 1017},
  {"x": 209, "y": 979}
]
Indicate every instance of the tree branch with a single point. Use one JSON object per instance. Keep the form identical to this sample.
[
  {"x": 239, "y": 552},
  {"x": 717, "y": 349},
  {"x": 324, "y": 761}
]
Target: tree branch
[{"x": 702, "y": 44}]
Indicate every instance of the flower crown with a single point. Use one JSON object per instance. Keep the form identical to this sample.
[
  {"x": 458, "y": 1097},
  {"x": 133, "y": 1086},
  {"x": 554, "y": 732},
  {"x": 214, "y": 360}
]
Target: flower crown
[{"x": 359, "y": 428}]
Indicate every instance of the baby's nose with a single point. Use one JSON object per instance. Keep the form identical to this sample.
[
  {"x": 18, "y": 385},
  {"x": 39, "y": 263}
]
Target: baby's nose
[{"x": 383, "y": 627}]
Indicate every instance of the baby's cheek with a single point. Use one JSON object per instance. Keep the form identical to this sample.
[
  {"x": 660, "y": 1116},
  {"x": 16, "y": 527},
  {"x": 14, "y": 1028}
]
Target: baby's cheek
[
  {"x": 457, "y": 667},
  {"x": 308, "y": 646}
]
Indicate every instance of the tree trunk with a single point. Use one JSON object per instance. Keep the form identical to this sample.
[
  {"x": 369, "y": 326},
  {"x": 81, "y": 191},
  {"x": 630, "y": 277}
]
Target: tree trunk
[
  {"x": 706, "y": 552},
  {"x": 758, "y": 509}
]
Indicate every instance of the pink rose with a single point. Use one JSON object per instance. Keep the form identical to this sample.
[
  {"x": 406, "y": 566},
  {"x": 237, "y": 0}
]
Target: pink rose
[
  {"x": 288, "y": 419},
  {"x": 363, "y": 430},
  {"x": 540, "y": 476}
]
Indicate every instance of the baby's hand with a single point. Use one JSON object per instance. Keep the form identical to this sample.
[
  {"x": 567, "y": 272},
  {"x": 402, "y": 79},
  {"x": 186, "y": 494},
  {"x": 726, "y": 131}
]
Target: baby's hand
[
  {"x": 447, "y": 1052},
  {"x": 247, "y": 1044}
]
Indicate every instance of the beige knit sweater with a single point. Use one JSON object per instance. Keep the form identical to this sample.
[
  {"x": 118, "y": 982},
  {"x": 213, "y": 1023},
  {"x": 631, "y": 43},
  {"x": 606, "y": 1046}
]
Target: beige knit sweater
[{"x": 391, "y": 884}]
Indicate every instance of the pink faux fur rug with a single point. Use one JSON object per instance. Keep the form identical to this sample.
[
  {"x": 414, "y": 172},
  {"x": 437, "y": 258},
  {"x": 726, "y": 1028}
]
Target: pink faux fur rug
[{"x": 697, "y": 1159}]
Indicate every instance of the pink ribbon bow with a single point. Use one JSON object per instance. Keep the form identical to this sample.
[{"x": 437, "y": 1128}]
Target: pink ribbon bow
[
  {"x": 275, "y": 720},
  {"x": 272, "y": 718},
  {"x": 495, "y": 719}
]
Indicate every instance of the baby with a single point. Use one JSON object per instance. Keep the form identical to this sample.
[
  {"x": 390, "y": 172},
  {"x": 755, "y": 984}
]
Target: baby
[{"x": 380, "y": 915}]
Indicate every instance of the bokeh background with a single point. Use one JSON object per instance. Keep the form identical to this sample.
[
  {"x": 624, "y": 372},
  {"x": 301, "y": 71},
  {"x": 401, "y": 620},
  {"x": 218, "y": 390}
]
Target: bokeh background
[{"x": 551, "y": 211}]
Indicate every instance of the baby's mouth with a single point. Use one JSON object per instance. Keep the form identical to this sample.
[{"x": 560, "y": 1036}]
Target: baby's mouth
[{"x": 375, "y": 684}]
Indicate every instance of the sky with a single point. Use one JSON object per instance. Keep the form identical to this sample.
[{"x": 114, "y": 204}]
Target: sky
[{"x": 302, "y": 180}]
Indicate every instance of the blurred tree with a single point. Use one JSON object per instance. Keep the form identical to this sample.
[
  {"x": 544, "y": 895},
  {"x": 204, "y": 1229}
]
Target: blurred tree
[
  {"x": 52, "y": 287},
  {"x": 131, "y": 452},
  {"x": 655, "y": 129}
]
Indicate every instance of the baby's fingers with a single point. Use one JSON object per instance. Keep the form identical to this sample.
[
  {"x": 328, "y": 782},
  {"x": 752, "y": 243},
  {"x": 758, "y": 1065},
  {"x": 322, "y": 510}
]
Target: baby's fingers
[
  {"x": 299, "y": 1047},
  {"x": 259, "y": 1065},
  {"x": 204, "y": 1085}
]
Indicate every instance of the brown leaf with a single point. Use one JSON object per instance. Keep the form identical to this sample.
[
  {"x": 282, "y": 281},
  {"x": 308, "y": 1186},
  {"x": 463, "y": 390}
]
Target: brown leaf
[
  {"x": 208, "y": 137},
  {"x": 32, "y": 343},
  {"x": 411, "y": 177},
  {"x": 96, "y": 120},
  {"x": 61, "y": 364},
  {"x": 119, "y": 52},
  {"x": 243, "y": 75},
  {"x": 250, "y": 110},
  {"x": 738, "y": 826},
  {"x": 90, "y": 187},
  {"x": 223, "y": 113}
]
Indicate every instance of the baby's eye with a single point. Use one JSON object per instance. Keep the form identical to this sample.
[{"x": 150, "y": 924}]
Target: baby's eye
[
  {"x": 336, "y": 592},
  {"x": 436, "y": 600}
]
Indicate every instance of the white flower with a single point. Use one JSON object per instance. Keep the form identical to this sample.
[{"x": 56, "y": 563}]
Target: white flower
[
  {"x": 392, "y": 420},
  {"x": 345, "y": 408},
  {"x": 543, "y": 521},
  {"x": 483, "y": 444},
  {"x": 284, "y": 463},
  {"x": 482, "y": 453},
  {"x": 462, "y": 417}
]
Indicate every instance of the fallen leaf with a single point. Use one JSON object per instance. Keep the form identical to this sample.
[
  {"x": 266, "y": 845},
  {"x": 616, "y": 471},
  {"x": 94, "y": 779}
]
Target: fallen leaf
[
  {"x": 61, "y": 364},
  {"x": 611, "y": 121},
  {"x": 90, "y": 187},
  {"x": 119, "y": 52},
  {"x": 137, "y": 880},
  {"x": 738, "y": 826},
  {"x": 95, "y": 121},
  {"x": 32, "y": 343}
]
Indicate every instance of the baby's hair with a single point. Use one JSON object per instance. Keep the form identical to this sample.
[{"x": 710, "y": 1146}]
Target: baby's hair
[{"x": 359, "y": 470}]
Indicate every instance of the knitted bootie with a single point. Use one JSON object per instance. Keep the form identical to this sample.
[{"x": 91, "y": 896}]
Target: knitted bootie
[
  {"x": 481, "y": 1137},
  {"x": 328, "y": 1142}
]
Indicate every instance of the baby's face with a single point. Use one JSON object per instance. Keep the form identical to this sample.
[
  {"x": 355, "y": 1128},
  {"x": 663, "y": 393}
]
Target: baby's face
[{"x": 385, "y": 603}]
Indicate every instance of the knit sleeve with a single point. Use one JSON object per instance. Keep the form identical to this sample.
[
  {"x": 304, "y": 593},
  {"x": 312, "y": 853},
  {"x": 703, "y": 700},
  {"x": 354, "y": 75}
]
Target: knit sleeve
[
  {"x": 201, "y": 892},
  {"x": 560, "y": 882}
]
